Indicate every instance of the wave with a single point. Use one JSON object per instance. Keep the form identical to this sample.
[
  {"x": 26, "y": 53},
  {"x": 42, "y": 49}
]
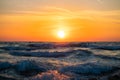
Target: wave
[
  {"x": 28, "y": 68},
  {"x": 41, "y": 54},
  {"x": 50, "y": 75},
  {"x": 89, "y": 69},
  {"x": 5, "y": 65}
]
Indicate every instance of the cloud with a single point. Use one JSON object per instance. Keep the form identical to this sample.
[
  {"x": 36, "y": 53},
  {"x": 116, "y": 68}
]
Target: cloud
[{"x": 53, "y": 12}]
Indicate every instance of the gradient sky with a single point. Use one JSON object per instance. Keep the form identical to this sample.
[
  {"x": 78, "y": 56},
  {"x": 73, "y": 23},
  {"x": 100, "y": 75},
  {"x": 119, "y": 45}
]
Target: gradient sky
[{"x": 40, "y": 20}]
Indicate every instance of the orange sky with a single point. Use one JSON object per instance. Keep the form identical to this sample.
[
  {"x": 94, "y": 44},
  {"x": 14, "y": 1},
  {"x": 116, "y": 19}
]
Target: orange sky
[{"x": 43, "y": 23}]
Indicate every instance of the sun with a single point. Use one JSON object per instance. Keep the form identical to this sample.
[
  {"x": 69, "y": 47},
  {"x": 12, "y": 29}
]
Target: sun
[{"x": 61, "y": 34}]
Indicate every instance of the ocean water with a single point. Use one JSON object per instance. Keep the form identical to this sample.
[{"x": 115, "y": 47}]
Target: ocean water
[{"x": 59, "y": 61}]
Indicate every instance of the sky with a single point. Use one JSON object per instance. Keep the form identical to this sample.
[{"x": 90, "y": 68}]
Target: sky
[{"x": 41, "y": 20}]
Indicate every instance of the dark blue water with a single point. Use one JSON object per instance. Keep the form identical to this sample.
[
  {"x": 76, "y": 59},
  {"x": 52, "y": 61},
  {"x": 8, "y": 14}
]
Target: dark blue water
[{"x": 60, "y": 61}]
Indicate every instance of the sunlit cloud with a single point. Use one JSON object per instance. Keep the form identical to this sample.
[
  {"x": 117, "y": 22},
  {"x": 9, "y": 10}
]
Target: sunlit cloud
[{"x": 100, "y": 1}]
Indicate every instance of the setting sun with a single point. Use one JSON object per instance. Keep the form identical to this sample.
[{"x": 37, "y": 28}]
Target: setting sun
[{"x": 61, "y": 34}]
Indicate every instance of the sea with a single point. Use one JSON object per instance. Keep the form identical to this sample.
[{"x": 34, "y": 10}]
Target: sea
[{"x": 59, "y": 60}]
